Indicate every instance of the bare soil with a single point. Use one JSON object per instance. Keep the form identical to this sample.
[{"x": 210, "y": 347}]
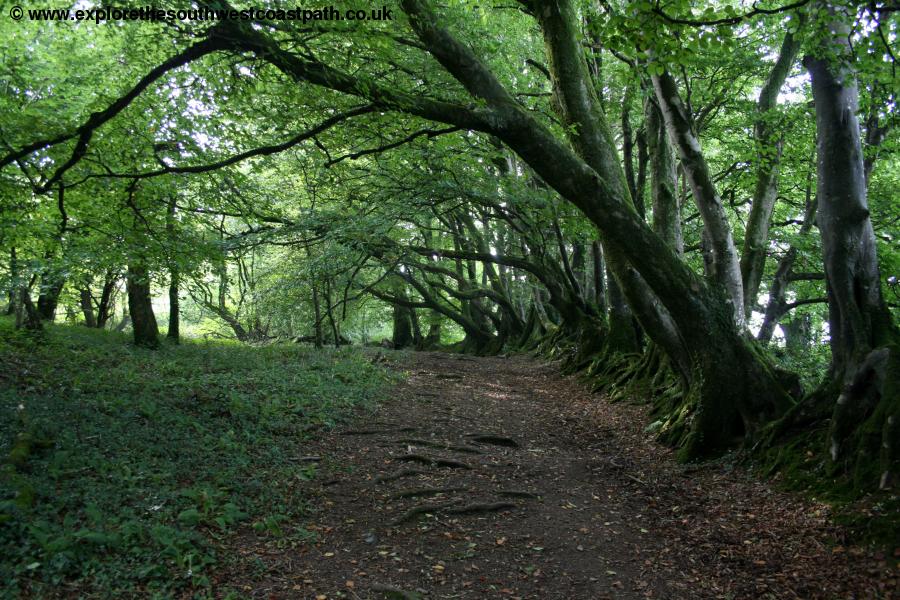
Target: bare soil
[{"x": 499, "y": 478}]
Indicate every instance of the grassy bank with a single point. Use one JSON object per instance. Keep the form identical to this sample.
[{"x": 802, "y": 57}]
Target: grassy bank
[{"x": 122, "y": 469}]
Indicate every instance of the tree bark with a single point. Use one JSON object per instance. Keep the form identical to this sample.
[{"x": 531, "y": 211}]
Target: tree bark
[
  {"x": 14, "y": 282},
  {"x": 51, "y": 288},
  {"x": 174, "y": 331},
  {"x": 402, "y": 333},
  {"x": 768, "y": 156},
  {"x": 140, "y": 306},
  {"x": 776, "y": 307},
  {"x": 52, "y": 281},
  {"x": 597, "y": 278},
  {"x": 107, "y": 298},
  {"x": 725, "y": 265},
  {"x": 663, "y": 180},
  {"x": 28, "y": 317},
  {"x": 87, "y": 307},
  {"x": 865, "y": 343}
]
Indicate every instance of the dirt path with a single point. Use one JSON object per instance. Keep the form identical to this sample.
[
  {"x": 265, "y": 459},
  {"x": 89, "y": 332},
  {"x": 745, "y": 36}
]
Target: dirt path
[{"x": 497, "y": 478}]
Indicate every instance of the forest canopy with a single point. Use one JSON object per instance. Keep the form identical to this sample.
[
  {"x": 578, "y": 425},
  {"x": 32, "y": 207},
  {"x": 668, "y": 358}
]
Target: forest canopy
[{"x": 696, "y": 206}]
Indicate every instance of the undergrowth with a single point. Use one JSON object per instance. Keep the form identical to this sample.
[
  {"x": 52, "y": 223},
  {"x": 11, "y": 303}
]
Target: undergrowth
[
  {"x": 799, "y": 463},
  {"x": 796, "y": 461},
  {"x": 122, "y": 470}
]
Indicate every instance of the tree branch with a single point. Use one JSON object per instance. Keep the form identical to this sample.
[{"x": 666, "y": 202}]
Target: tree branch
[
  {"x": 86, "y": 130},
  {"x": 728, "y": 20}
]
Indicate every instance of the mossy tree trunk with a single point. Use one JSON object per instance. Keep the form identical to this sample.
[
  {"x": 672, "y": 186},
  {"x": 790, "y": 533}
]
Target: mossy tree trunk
[
  {"x": 865, "y": 343},
  {"x": 733, "y": 390},
  {"x": 663, "y": 180},
  {"x": 723, "y": 264},
  {"x": 402, "y": 335}
]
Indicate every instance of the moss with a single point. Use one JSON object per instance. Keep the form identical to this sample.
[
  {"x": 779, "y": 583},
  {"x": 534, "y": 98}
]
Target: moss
[
  {"x": 21, "y": 451},
  {"x": 800, "y": 463}
]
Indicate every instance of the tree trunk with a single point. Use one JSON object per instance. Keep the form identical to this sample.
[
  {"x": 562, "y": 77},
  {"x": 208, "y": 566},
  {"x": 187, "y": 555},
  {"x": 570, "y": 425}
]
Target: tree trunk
[
  {"x": 433, "y": 337},
  {"x": 768, "y": 155},
  {"x": 628, "y": 143},
  {"x": 598, "y": 276},
  {"x": 865, "y": 343},
  {"x": 107, "y": 298},
  {"x": 402, "y": 334},
  {"x": 174, "y": 332},
  {"x": 87, "y": 307},
  {"x": 52, "y": 281},
  {"x": 140, "y": 305},
  {"x": 663, "y": 180},
  {"x": 622, "y": 337},
  {"x": 31, "y": 318},
  {"x": 126, "y": 318},
  {"x": 776, "y": 307},
  {"x": 14, "y": 282},
  {"x": 48, "y": 299},
  {"x": 335, "y": 332},
  {"x": 317, "y": 315},
  {"x": 724, "y": 263}
]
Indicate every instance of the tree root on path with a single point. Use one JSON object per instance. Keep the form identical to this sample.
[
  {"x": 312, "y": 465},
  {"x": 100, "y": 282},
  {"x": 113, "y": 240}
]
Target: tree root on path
[
  {"x": 490, "y": 438},
  {"x": 517, "y": 494},
  {"x": 376, "y": 431},
  {"x": 422, "y": 509},
  {"x": 399, "y": 475},
  {"x": 419, "y": 492},
  {"x": 481, "y": 507},
  {"x": 453, "y": 508},
  {"x": 441, "y": 445},
  {"x": 434, "y": 461}
]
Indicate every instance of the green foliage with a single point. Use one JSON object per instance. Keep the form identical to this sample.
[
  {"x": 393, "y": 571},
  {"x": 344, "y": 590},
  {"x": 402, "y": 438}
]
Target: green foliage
[{"x": 124, "y": 468}]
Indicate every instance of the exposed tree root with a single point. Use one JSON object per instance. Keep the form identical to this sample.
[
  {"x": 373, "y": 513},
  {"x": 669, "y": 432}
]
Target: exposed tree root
[
  {"x": 420, "y": 492},
  {"x": 399, "y": 475},
  {"x": 376, "y": 431},
  {"x": 453, "y": 508},
  {"x": 422, "y": 509},
  {"x": 481, "y": 507},
  {"x": 517, "y": 494},
  {"x": 309, "y": 459},
  {"x": 495, "y": 440},
  {"x": 440, "y": 445},
  {"x": 433, "y": 461}
]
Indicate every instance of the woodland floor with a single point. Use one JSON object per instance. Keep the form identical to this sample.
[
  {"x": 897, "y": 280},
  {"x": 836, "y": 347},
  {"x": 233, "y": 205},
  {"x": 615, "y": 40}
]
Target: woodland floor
[{"x": 570, "y": 500}]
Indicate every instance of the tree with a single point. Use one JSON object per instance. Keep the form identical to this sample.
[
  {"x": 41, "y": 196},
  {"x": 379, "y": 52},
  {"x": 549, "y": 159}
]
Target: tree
[
  {"x": 442, "y": 172},
  {"x": 865, "y": 343}
]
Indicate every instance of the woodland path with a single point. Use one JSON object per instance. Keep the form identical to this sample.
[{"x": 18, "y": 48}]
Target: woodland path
[{"x": 498, "y": 478}]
